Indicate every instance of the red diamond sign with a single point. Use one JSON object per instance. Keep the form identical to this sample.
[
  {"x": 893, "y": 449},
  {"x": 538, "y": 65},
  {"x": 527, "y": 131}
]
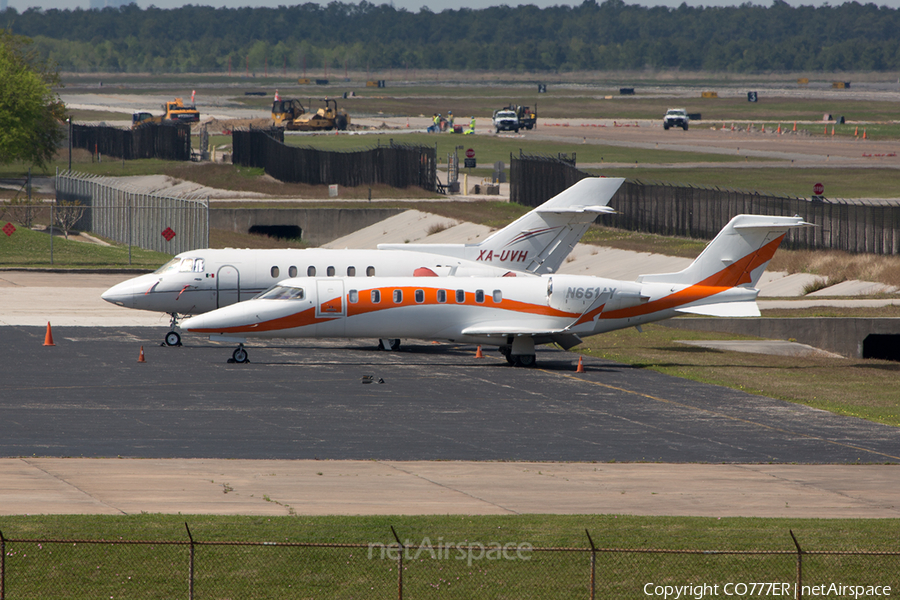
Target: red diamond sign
[
  {"x": 9, "y": 229},
  {"x": 168, "y": 234}
]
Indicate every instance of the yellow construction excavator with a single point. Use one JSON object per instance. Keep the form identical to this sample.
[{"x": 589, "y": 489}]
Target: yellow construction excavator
[
  {"x": 175, "y": 112},
  {"x": 291, "y": 115}
]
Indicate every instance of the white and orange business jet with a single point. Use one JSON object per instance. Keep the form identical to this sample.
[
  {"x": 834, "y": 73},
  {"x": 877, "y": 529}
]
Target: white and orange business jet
[
  {"x": 514, "y": 313},
  {"x": 202, "y": 280}
]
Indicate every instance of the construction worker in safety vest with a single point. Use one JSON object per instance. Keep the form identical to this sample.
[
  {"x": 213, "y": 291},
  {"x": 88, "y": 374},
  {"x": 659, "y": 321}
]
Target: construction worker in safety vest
[
  {"x": 471, "y": 128},
  {"x": 450, "y": 120}
]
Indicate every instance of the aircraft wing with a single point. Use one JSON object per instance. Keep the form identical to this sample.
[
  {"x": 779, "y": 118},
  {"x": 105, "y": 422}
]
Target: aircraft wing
[{"x": 501, "y": 329}]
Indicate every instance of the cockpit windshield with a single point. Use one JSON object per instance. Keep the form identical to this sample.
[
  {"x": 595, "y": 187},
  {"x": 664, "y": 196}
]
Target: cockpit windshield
[
  {"x": 282, "y": 292},
  {"x": 182, "y": 265},
  {"x": 172, "y": 265}
]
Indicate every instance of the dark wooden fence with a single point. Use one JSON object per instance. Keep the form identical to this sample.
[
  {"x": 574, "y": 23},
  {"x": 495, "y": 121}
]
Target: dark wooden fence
[
  {"x": 150, "y": 140},
  {"x": 699, "y": 212},
  {"x": 396, "y": 165}
]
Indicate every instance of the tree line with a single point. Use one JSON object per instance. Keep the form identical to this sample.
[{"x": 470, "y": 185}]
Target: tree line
[{"x": 611, "y": 35}]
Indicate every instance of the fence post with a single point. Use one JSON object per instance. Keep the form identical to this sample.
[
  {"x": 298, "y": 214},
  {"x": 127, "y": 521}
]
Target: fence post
[
  {"x": 400, "y": 555},
  {"x": 190, "y": 564},
  {"x": 798, "y": 593},
  {"x": 593, "y": 562},
  {"x": 2, "y": 566}
]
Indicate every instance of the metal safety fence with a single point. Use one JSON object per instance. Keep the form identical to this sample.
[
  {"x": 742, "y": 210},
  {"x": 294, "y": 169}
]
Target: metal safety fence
[
  {"x": 396, "y": 165},
  {"x": 147, "y": 220},
  {"x": 196, "y": 569},
  {"x": 167, "y": 141},
  {"x": 701, "y": 212}
]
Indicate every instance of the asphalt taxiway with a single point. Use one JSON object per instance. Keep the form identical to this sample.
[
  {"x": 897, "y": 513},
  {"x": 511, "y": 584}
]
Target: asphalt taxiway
[{"x": 88, "y": 396}]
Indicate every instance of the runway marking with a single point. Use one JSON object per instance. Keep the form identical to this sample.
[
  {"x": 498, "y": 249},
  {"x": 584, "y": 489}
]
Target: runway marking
[{"x": 723, "y": 415}]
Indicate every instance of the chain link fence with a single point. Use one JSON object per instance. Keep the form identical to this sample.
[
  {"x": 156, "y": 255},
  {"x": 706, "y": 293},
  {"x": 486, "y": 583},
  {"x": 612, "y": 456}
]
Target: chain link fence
[
  {"x": 194, "y": 569},
  {"x": 699, "y": 212},
  {"x": 396, "y": 165}
]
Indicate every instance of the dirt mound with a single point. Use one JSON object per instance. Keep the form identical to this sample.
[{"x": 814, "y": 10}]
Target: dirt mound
[{"x": 226, "y": 126}]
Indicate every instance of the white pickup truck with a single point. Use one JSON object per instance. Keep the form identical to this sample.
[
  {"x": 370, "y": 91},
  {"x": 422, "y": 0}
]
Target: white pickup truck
[
  {"x": 506, "y": 120},
  {"x": 676, "y": 117}
]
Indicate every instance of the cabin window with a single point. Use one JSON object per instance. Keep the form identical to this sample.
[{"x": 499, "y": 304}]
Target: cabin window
[
  {"x": 198, "y": 265},
  {"x": 274, "y": 271},
  {"x": 498, "y": 296},
  {"x": 329, "y": 271},
  {"x": 292, "y": 271},
  {"x": 460, "y": 296},
  {"x": 187, "y": 265},
  {"x": 370, "y": 271},
  {"x": 479, "y": 296},
  {"x": 442, "y": 296},
  {"x": 311, "y": 272},
  {"x": 420, "y": 296},
  {"x": 353, "y": 296},
  {"x": 398, "y": 296},
  {"x": 376, "y": 296},
  {"x": 351, "y": 271}
]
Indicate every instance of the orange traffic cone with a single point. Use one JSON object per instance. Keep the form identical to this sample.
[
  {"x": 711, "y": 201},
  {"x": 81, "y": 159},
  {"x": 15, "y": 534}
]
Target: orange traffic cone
[
  {"x": 864, "y": 134},
  {"x": 732, "y": 126},
  {"x": 141, "y": 357},
  {"x": 763, "y": 128},
  {"x": 825, "y": 132},
  {"x": 478, "y": 353},
  {"x": 832, "y": 131},
  {"x": 48, "y": 337},
  {"x": 580, "y": 367},
  {"x": 407, "y": 122},
  {"x": 779, "y": 128},
  {"x": 795, "y": 125},
  {"x": 856, "y": 131}
]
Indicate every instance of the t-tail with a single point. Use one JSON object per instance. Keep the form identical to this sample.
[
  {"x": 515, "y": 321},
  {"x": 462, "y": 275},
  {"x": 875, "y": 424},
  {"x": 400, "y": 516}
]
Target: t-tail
[
  {"x": 539, "y": 241},
  {"x": 734, "y": 261}
]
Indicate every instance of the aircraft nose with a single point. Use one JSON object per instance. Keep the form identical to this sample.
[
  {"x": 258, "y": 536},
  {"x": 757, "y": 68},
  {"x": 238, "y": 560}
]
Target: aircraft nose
[{"x": 123, "y": 294}]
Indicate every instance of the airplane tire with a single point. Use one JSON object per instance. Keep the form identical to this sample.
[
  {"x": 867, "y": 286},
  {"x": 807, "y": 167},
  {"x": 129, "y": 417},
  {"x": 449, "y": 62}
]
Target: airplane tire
[
  {"x": 173, "y": 339},
  {"x": 524, "y": 360},
  {"x": 240, "y": 355}
]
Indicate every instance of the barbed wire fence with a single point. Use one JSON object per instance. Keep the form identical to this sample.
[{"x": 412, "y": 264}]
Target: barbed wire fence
[
  {"x": 871, "y": 227},
  {"x": 196, "y": 569}
]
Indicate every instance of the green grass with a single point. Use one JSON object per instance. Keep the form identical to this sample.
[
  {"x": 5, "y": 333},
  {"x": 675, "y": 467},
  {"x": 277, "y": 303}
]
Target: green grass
[
  {"x": 854, "y": 387},
  {"x": 27, "y": 248},
  {"x": 66, "y": 570},
  {"x": 489, "y": 149}
]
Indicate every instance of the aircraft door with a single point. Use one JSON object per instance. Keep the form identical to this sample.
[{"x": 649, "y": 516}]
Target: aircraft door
[
  {"x": 228, "y": 286},
  {"x": 330, "y": 301}
]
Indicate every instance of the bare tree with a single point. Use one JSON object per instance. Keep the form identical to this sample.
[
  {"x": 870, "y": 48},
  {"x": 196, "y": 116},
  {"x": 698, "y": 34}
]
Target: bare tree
[{"x": 67, "y": 214}]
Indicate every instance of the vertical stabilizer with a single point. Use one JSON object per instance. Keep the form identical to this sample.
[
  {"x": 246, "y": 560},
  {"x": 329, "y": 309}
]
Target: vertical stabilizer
[
  {"x": 737, "y": 256},
  {"x": 540, "y": 240}
]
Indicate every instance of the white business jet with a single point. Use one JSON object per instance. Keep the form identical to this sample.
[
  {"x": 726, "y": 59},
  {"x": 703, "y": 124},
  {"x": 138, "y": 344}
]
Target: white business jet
[
  {"x": 198, "y": 281},
  {"x": 514, "y": 314}
]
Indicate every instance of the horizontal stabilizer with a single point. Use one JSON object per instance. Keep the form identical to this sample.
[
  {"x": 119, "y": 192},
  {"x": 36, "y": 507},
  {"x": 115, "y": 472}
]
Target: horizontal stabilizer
[
  {"x": 577, "y": 210},
  {"x": 723, "y": 309}
]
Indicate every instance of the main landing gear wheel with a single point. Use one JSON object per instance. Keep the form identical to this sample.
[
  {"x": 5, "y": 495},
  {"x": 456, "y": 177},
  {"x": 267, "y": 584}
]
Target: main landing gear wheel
[
  {"x": 523, "y": 360},
  {"x": 240, "y": 355},
  {"x": 389, "y": 344},
  {"x": 173, "y": 338}
]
